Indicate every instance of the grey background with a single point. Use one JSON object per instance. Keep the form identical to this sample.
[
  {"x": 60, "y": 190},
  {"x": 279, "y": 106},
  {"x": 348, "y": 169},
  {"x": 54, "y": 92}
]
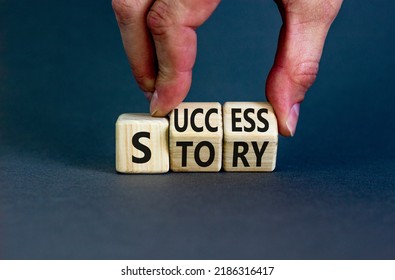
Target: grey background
[{"x": 64, "y": 80}]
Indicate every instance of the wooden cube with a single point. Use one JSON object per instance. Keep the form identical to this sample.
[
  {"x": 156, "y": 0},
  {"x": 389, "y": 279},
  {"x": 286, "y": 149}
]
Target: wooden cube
[
  {"x": 250, "y": 136},
  {"x": 195, "y": 137},
  {"x": 142, "y": 144}
]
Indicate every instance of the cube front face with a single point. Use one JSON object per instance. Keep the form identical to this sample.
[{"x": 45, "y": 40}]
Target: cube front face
[
  {"x": 142, "y": 144},
  {"x": 250, "y": 136},
  {"x": 195, "y": 137}
]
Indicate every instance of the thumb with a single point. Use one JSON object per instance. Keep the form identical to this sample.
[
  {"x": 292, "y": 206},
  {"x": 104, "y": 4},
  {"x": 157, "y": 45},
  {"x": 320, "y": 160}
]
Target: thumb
[{"x": 302, "y": 37}]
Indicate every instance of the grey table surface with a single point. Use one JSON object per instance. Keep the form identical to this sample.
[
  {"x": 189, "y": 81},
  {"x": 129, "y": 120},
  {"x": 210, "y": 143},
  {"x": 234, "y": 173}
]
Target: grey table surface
[{"x": 64, "y": 80}]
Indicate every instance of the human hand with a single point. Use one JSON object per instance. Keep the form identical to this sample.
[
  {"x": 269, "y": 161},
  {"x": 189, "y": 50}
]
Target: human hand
[{"x": 160, "y": 42}]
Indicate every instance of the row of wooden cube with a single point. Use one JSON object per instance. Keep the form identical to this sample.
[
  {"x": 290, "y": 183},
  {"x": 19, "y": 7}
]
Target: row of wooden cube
[{"x": 200, "y": 137}]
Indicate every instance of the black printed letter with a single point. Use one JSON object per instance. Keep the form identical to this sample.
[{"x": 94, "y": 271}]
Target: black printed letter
[
  {"x": 184, "y": 151},
  {"x": 241, "y": 155},
  {"x": 177, "y": 127},
  {"x": 211, "y": 152},
  {"x": 259, "y": 153},
  {"x": 136, "y": 143}
]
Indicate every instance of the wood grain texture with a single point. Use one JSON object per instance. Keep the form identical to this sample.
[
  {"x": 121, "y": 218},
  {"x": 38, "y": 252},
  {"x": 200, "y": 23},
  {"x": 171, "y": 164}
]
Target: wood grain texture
[
  {"x": 195, "y": 137},
  {"x": 250, "y": 136},
  {"x": 142, "y": 144}
]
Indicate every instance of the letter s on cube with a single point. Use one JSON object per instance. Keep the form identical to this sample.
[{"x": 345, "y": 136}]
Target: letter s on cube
[{"x": 142, "y": 144}]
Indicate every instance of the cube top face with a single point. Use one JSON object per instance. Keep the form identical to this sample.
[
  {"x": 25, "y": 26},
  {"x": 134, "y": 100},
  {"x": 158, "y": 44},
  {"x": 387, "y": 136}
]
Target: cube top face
[
  {"x": 250, "y": 137},
  {"x": 195, "y": 137},
  {"x": 249, "y": 120},
  {"x": 141, "y": 118},
  {"x": 142, "y": 144},
  {"x": 197, "y": 119}
]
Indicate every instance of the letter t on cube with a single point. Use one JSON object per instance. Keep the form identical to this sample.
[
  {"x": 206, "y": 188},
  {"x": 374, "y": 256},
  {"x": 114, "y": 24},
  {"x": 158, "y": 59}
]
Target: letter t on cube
[
  {"x": 142, "y": 144},
  {"x": 250, "y": 136}
]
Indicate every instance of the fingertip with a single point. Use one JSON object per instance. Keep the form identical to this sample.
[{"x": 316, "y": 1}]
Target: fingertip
[
  {"x": 292, "y": 119},
  {"x": 287, "y": 115},
  {"x": 169, "y": 93},
  {"x": 287, "y": 123},
  {"x": 155, "y": 108},
  {"x": 285, "y": 99},
  {"x": 148, "y": 95}
]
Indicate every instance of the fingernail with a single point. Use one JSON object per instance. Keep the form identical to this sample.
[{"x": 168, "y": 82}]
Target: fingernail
[
  {"x": 148, "y": 95},
  {"x": 292, "y": 119},
  {"x": 154, "y": 101}
]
